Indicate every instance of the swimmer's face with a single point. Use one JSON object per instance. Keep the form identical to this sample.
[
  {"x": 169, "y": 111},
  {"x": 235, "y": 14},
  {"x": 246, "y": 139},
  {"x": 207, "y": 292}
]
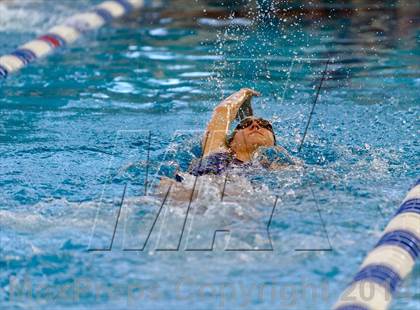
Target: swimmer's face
[{"x": 253, "y": 134}]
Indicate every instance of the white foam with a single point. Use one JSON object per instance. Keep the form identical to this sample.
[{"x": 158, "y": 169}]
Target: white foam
[
  {"x": 224, "y": 22},
  {"x": 34, "y": 16}
]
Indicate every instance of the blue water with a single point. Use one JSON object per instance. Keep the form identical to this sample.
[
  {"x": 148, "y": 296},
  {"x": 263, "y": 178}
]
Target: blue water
[{"x": 74, "y": 130}]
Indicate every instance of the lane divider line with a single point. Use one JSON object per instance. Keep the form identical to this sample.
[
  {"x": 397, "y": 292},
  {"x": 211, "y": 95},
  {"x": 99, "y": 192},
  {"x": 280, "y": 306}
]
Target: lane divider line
[
  {"x": 68, "y": 32},
  {"x": 392, "y": 259}
]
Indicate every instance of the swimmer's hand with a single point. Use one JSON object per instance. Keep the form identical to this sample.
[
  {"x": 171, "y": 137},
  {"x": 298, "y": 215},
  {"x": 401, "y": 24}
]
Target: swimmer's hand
[
  {"x": 231, "y": 105},
  {"x": 250, "y": 92}
]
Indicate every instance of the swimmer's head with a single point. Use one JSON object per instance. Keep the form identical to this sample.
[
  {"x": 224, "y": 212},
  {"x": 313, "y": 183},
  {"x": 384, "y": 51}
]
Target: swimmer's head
[{"x": 250, "y": 134}]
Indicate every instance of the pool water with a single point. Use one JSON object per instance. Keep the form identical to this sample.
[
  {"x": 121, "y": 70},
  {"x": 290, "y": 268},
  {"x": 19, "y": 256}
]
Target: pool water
[{"x": 128, "y": 104}]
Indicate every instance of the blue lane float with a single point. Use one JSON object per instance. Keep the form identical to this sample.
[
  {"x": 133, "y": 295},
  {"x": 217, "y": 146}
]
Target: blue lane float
[
  {"x": 66, "y": 33},
  {"x": 392, "y": 259}
]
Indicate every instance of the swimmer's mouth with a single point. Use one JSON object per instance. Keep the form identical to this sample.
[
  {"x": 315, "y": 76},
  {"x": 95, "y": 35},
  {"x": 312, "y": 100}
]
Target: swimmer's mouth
[{"x": 254, "y": 132}]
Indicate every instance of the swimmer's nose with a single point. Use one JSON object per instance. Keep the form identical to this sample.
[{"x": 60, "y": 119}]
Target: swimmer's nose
[{"x": 254, "y": 126}]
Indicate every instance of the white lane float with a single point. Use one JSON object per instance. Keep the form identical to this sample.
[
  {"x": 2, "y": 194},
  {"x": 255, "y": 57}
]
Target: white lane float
[
  {"x": 66, "y": 33},
  {"x": 392, "y": 260}
]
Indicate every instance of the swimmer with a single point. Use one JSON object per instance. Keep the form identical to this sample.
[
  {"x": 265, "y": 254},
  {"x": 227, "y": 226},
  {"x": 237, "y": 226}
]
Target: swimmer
[
  {"x": 221, "y": 151},
  {"x": 252, "y": 137}
]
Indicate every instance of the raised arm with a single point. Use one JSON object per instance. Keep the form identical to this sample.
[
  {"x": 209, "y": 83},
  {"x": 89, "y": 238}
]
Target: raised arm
[{"x": 214, "y": 139}]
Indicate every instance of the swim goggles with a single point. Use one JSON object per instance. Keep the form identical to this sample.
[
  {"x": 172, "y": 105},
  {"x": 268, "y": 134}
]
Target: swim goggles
[{"x": 246, "y": 122}]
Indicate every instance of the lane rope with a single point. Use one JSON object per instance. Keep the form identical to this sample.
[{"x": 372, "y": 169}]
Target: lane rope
[
  {"x": 66, "y": 33},
  {"x": 391, "y": 260}
]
